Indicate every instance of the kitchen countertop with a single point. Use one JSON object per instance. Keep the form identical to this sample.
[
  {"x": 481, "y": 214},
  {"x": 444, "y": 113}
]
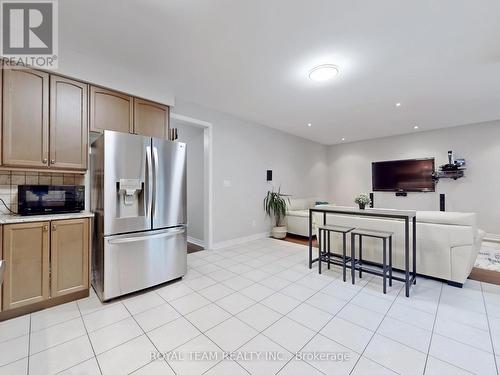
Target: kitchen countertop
[{"x": 13, "y": 219}]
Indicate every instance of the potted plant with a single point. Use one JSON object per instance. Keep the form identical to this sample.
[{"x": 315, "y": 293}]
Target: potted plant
[
  {"x": 362, "y": 200},
  {"x": 275, "y": 206}
]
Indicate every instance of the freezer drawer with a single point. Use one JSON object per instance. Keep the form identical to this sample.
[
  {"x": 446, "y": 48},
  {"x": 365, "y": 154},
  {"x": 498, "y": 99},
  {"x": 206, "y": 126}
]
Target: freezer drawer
[{"x": 136, "y": 261}]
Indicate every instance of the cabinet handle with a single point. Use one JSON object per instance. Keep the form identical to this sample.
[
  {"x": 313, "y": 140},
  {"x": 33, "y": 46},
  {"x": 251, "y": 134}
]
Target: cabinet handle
[
  {"x": 54, "y": 227},
  {"x": 45, "y": 228},
  {"x": 44, "y": 161},
  {"x": 52, "y": 161}
]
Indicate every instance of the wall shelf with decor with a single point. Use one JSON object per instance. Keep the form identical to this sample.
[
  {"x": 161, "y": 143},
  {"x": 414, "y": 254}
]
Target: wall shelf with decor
[
  {"x": 454, "y": 169},
  {"x": 459, "y": 173}
]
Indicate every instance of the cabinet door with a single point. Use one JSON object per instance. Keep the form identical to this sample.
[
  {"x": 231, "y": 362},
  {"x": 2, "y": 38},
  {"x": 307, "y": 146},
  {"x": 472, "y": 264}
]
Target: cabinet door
[
  {"x": 26, "y": 252},
  {"x": 151, "y": 119},
  {"x": 1, "y": 278},
  {"x": 25, "y": 118},
  {"x": 110, "y": 110},
  {"x": 68, "y": 124},
  {"x": 69, "y": 256}
]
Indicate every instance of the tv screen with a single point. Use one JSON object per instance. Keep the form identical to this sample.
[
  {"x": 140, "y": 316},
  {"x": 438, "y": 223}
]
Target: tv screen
[{"x": 403, "y": 175}]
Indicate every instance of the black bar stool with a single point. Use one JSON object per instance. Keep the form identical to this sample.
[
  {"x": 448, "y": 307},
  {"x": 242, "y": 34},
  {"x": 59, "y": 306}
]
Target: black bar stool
[
  {"x": 325, "y": 254},
  {"x": 358, "y": 265}
]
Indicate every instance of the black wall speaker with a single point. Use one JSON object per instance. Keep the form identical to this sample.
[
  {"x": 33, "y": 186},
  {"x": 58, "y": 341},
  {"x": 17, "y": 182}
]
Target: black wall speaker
[
  {"x": 372, "y": 200},
  {"x": 442, "y": 202},
  {"x": 269, "y": 175}
]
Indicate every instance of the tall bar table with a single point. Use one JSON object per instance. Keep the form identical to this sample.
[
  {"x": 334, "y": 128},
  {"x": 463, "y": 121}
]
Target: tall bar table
[{"x": 404, "y": 215}]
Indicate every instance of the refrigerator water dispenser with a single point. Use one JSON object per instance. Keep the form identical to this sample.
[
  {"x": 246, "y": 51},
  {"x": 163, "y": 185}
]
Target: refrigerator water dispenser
[{"x": 130, "y": 196}]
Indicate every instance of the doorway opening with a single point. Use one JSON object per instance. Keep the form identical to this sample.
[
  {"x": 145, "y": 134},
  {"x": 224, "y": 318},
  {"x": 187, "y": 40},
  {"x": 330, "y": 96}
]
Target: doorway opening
[{"x": 197, "y": 135}]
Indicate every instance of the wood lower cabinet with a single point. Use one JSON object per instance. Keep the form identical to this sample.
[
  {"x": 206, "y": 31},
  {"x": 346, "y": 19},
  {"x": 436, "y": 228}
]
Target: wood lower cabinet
[
  {"x": 25, "y": 138},
  {"x": 69, "y": 256},
  {"x": 151, "y": 119},
  {"x": 47, "y": 263},
  {"x": 68, "y": 124},
  {"x": 26, "y": 252},
  {"x": 110, "y": 110}
]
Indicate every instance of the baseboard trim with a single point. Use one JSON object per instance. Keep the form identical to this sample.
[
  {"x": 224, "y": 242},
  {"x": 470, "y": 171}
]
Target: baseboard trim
[
  {"x": 196, "y": 241},
  {"x": 492, "y": 237},
  {"x": 239, "y": 240}
]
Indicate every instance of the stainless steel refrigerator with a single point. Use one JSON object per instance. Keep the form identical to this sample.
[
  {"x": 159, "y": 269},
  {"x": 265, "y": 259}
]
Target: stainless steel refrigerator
[{"x": 138, "y": 195}]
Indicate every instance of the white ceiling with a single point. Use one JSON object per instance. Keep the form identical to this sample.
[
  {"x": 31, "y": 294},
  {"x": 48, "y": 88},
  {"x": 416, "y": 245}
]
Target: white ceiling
[{"x": 439, "y": 58}]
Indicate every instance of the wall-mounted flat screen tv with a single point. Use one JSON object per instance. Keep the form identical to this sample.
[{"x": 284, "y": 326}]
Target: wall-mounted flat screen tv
[{"x": 403, "y": 175}]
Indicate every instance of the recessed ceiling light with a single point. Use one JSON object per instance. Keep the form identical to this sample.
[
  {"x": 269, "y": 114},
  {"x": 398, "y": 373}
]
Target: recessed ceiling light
[
  {"x": 309, "y": 124},
  {"x": 343, "y": 139},
  {"x": 415, "y": 127},
  {"x": 398, "y": 104},
  {"x": 322, "y": 73}
]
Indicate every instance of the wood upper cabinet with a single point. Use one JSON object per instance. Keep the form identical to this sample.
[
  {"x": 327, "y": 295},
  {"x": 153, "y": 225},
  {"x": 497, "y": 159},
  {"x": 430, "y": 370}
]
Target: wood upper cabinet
[
  {"x": 110, "y": 110},
  {"x": 25, "y": 141},
  {"x": 68, "y": 124},
  {"x": 151, "y": 119},
  {"x": 69, "y": 256},
  {"x": 26, "y": 252}
]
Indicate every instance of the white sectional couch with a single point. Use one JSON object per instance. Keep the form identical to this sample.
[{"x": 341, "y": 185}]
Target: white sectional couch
[
  {"x": 297, "y": 215},
  {"x": 447, "y": 242}
]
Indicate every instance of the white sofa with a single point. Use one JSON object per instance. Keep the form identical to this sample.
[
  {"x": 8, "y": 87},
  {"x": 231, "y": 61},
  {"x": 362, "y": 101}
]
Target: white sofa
[
  {"x": 297, "y": 215},
  {"x": 447, "y": 242}
]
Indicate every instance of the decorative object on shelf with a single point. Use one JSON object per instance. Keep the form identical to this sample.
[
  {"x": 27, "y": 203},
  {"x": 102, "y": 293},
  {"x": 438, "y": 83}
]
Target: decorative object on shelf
[
  {"x": 362, "y": 200},
  {"x": 172, "y": 134},
  {"x": 321, "y": 203},
  {"x": 275, "y": 206},
  {"x": 454, "y": 169}
]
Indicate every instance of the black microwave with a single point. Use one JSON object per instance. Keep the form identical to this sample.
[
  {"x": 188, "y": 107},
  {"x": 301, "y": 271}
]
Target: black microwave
[{"x": 50, "y": 199}]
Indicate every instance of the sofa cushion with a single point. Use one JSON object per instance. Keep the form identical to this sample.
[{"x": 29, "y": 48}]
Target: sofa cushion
[
  {"x": 447, "y": 218},
  {"x": 299, "y": 204},
  {"x": 299, "y": 213}
]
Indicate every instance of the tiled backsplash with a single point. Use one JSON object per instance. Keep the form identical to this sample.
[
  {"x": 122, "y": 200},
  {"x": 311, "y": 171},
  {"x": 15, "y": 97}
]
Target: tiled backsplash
[{"x": 10, "y": 179}]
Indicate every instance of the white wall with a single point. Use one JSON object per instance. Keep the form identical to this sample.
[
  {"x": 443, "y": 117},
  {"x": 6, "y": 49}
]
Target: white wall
[
  {"x": 193, "y": 137},
  {"x": 242, "y": 152},
  {"x": 349, "y": 168}
]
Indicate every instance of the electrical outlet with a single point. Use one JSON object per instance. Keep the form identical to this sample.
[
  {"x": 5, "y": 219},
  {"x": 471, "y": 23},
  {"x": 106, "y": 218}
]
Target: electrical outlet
[
  {"x": 254, "y": 223},
  {"x": 227, "y": 183}
]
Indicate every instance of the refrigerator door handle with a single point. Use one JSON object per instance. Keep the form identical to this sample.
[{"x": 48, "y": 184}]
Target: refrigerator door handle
[
  {"x": 149, "y": 182},
  {"x": 155, "y": 179},
  {"x": 170, "y": 233}
]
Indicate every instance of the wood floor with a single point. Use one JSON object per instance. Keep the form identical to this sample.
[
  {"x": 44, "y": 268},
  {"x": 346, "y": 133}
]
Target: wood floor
[
  {"x": 192, "y": 248},
  {"x": 477, "y": 274},
  {"x": 487, "y": 276},
  {"x": 299, "y": 239}
]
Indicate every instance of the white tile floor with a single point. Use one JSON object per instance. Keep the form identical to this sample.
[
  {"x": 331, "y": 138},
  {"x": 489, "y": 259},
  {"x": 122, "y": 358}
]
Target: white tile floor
[{"x": 261, "y": 297}]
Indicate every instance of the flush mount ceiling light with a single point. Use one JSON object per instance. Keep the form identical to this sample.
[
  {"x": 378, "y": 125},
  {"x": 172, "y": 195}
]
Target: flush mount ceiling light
[
  {"x": 343, "y": 139},
  {"x": 398, "y": 104},
  {"x": 309, "y": 124},
  {"x": 322, "y": 73},
  {"x": 415, "y": 127}
]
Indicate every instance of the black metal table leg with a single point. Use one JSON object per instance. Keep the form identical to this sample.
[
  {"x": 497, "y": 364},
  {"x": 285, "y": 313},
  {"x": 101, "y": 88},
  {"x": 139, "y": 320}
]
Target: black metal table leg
[
  {"x": 343, "y": 256},
  {"x": 384, "y": 265},
  {"x": 414, "y": 249},
  {"x": 310, "y": 239},
  {"x": 360, "y": 255},
  {"x": 328, "y": 249},
  {"x": 320, "y": 235},
  {"x": 407, "y": 257},
  {"x": 390, "y": 261},
  {"x": 352, "y": 257}
]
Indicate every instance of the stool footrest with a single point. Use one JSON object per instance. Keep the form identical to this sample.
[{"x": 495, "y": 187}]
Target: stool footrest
[
  {"x": 335, "y": 228},
  {"x": 371, "y": 233}
]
